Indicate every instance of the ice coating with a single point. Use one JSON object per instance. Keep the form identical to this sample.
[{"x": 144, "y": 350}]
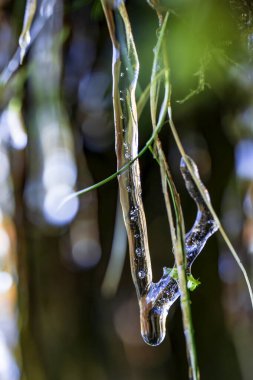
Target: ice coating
[
  {"x": 155, "y": 304},
  {"x": 155, "y": 299}
]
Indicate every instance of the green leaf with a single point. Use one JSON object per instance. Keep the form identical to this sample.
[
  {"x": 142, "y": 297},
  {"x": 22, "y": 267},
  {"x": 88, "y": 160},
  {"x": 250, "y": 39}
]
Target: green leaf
[{"x": 192, "y": 283}]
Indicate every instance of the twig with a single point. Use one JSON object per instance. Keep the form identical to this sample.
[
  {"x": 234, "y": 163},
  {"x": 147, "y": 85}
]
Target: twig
[
  {"x": 210, "y": 207},
  {"x": 177, "y": 233}
]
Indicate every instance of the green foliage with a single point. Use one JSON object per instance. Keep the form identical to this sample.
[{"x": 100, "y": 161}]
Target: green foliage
[{"x": 192, "y": 282}]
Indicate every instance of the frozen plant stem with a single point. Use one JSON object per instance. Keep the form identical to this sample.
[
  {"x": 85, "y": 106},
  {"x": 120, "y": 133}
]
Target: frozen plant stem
[
  {"x": 126, "y": 134},
  {"x": 209, "y": 205},
  {"x": 178, "y": 233},
  {"x": 160, "y": 13},
  {"x": 155, "y": 299}
]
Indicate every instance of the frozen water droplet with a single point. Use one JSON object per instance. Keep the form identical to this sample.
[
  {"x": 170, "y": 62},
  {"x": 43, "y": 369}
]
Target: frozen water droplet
[
  {"x": 122, "y": 74},
  {"x": 134, "y": 214},
  {"x": 127, "y": 153},
  {"x": 141, "y": 274},
  {"x": 139, "y": 251},
  {"x": 136, "y": 236},
  {"x": 153, "y": 327},
  {"x": 128, "y": 189}
]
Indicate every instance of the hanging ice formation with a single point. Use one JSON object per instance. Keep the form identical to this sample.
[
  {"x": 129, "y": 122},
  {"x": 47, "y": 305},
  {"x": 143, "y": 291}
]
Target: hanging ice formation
[
  {"x": 155, "y": 299},
  {"x": 159, "y": 297}
]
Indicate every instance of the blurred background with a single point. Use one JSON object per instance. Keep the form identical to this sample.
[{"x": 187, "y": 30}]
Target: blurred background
[{"x": 68, "y": 309}]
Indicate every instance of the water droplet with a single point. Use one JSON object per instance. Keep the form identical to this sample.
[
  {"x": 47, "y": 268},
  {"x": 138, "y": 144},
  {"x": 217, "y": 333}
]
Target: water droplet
[
  {"x": 136, "y": 236},
  {"x": 127, "y": 153},
  {"x": 122, "y": 117},
  {"x": 128, "y": 189},
  {"x": 134, "y": 214},
  {"x": 121, "y": 99},
  {"x": 139, "y": 251},
  {"x": 127, "y": 69},
  {"x": 122, "y": 74},
  {"x": 153, "y": 328},
  {"x": 141, "y": 274}
]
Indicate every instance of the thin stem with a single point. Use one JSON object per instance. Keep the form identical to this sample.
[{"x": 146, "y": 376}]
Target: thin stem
[
  {"x": 118, "y": 172},
  {"x": 209, "y": 205},
  {"x": 154, "y": 94},
  {"x": 145, "y": 94},
  {"x": 178, "y": 237}
]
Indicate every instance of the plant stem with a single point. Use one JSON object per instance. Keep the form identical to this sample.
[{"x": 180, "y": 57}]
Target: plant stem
[
  {"x": 209, "y": 205},
  {"x": 178, "y": 237},
  {"x": 118, "y": 172},
  {"x": 125, "y": 70}
]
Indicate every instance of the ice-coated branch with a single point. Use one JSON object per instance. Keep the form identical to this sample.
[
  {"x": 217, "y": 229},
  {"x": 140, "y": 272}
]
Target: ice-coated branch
[
  {"x": 204, "y": 225},
  {"x": 156, "y": 303},
  {"x": 155, "y": 299},
  {"x": 125, "y": 70}
]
